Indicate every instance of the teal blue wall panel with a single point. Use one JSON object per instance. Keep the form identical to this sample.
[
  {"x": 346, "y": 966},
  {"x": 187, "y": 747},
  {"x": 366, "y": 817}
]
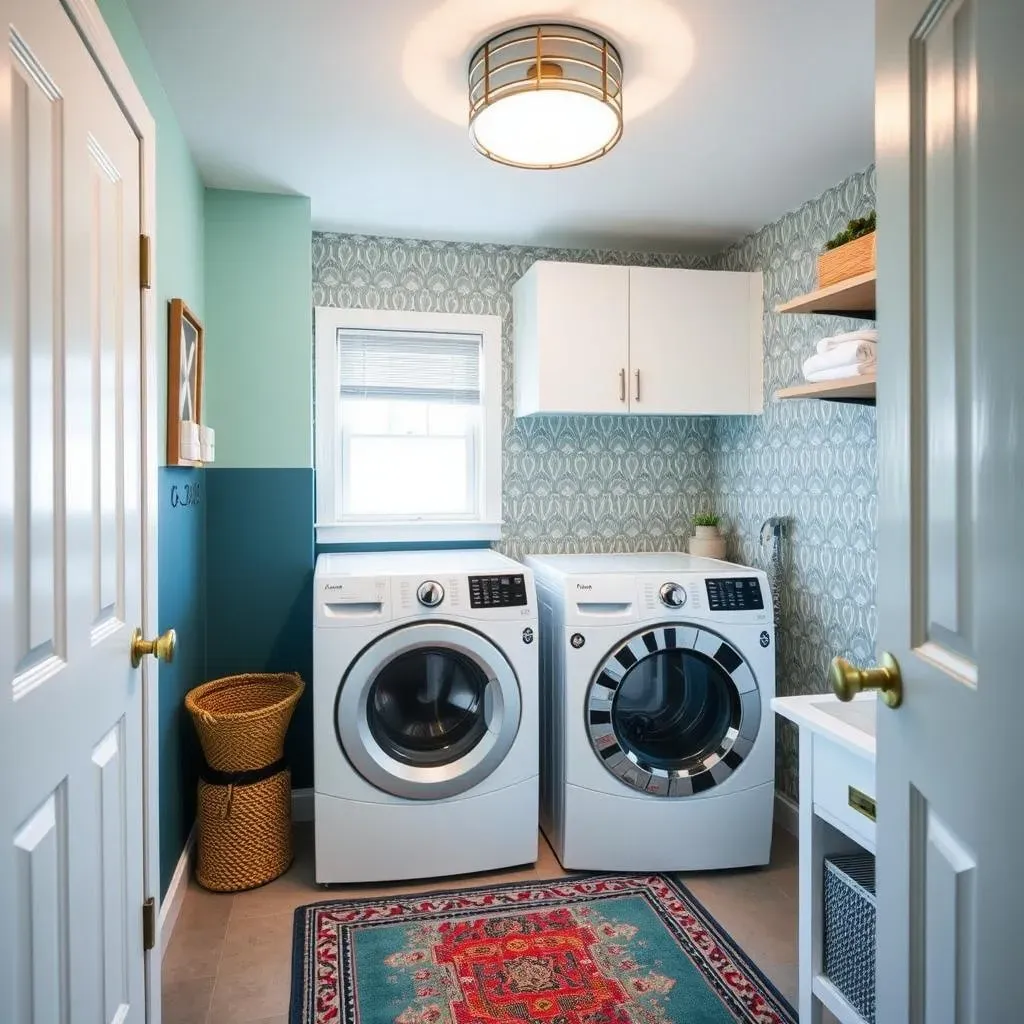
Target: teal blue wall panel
[
  {"x": 259, "y": 585},
  {"x": 182, "y": 597}
]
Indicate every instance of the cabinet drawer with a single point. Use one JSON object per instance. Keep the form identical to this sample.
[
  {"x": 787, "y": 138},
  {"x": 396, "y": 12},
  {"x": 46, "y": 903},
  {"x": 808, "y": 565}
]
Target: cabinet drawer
[{"x": 844, "y": 788}]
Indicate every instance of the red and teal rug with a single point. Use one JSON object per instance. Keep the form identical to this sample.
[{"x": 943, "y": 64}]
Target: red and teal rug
[{"x": 605, "y": 949}]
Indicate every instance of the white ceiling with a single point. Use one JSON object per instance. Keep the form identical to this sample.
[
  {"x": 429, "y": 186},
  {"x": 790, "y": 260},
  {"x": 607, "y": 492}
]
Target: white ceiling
[{"x": 775, "y": 104}]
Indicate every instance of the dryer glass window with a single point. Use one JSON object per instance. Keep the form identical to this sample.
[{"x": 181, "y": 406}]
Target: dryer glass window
[
  {"x": 673, "y": 709},
  {"x": 427, "y": 706}
]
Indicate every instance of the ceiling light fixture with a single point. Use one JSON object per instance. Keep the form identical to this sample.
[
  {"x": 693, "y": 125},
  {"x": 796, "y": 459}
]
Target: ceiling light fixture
[{"x": 545, "y": 96}]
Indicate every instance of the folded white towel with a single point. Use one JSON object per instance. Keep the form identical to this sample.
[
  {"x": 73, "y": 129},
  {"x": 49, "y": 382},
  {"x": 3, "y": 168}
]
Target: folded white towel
[
  {"x": 839, "y": 372},
  {"x": 866, "y": 334},
  {"x": 850, "y": 353}
]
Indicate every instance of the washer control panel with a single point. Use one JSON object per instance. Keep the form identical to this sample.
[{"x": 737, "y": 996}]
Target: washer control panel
[
  {"x": 734, "y": 594},
  {"x": 497, "y": 591}
]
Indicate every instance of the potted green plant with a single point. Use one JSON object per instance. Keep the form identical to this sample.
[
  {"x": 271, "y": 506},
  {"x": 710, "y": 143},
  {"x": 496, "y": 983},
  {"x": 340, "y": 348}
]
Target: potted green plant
[{"x": 707, "y": 540}]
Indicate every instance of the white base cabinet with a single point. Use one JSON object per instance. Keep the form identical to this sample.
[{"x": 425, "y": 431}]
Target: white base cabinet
[{"x": 591, "y": 338}]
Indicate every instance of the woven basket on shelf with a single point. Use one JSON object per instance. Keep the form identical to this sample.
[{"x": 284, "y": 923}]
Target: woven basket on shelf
[
  {"x": 244, "y": 804},
  {"x": 846, "y": 261}
]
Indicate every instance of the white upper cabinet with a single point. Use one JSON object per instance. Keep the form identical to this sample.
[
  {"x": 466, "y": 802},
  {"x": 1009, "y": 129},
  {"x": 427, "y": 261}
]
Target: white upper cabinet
[
  {"x": 572, "y": 338},
  {"x": 601, "y": 339},
  {"x": 695, "y": 339}
]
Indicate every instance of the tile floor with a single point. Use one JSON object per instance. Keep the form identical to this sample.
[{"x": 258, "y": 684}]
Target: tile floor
[{"x": 229, "y": 959}]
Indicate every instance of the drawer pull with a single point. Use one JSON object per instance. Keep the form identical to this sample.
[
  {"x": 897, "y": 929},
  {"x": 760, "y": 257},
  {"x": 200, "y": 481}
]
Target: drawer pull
[{"x": 862, "y": 803}]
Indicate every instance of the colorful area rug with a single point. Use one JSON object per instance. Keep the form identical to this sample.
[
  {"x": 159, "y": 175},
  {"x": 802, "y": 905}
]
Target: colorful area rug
[{"x": 605, "y": 949}]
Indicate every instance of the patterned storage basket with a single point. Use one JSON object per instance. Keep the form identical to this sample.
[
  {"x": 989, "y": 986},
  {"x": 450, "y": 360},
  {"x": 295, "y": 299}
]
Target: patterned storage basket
[
  {"x": 850, "y": 929},
  {"x": 244, "y": 802}
]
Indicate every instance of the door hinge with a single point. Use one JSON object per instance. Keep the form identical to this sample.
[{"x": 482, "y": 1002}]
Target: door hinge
[
  {"x": 145, "y": 262},
  {"x": 149, "y": 923}
]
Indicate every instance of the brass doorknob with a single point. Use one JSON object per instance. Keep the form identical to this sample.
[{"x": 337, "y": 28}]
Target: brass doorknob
[
  {"x": 162, "y": 648},
  {"x": 848, "y": 680}
]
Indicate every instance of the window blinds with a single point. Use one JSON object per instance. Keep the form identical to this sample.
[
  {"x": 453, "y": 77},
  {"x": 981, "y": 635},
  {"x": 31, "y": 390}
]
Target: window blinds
[{"x": 420, "y": 367}]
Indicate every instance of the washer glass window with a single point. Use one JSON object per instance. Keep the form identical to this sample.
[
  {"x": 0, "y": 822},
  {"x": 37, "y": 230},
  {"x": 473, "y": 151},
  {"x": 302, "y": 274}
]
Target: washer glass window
[
  {"x": 428, "y": 710},
  {"x": 426, "y": 707},
  {"x": 673, "y": 709}
]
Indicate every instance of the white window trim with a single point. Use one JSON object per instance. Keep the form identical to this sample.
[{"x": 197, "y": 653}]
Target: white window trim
[{"x": 487, "y": 526}]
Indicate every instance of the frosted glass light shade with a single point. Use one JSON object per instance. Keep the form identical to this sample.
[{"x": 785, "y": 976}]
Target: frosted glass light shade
[{"x": 545, "y": 96}]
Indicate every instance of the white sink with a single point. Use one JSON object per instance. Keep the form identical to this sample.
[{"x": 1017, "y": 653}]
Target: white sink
[
  {"x": 850, "y": 724},
  {"x": 860, "y": 714}
]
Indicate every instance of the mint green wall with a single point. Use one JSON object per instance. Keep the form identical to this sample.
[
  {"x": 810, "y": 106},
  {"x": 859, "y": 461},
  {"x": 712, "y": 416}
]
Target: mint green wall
[
  {"x": 259, "y": 388},
  {"x": 181, "y": 565},
  {"x": 179, "y": 192}
]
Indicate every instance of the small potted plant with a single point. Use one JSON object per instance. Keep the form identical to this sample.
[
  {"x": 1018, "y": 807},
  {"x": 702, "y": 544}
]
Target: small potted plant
[{"x": 707, "y": 541}]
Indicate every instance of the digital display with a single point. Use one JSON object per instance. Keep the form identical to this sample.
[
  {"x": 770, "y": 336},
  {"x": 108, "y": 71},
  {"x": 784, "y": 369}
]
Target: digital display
[
  {"x": 739, "y": 594},
  {"x": 497, "y": 591}
]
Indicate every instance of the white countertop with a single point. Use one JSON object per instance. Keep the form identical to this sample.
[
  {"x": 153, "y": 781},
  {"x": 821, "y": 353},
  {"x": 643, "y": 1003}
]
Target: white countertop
[{"x": 851, "y": 725}]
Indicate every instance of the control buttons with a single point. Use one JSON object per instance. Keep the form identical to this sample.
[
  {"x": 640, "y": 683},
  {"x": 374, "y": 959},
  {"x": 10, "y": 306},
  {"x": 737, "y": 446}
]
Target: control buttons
[
  {"x": 672, "y": 595},
  {"x": 430, "y": 594},
  {"x": 497, "y": 591},
  {"x": 765, "y": 638},
  {"x": 577, "y": 640},
  {"x": 528, "y": 635}
]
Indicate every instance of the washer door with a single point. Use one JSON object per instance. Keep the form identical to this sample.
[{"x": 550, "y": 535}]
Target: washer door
[
  {"x": 428, "y": 711},
  {"x": 673, "y": 710}
]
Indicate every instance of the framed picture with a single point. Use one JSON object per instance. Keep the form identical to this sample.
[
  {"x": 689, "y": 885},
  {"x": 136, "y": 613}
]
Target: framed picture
[{"x": 184, "y": 385}]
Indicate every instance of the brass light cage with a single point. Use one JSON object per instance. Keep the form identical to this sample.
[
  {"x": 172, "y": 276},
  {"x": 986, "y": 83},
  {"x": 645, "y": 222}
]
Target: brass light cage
[{"x": 535, "y": 58}]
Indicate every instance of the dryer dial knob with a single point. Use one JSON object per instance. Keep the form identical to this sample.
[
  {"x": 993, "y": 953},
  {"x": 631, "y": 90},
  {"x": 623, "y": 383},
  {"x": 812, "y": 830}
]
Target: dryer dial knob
[
  {"x": 672, "y": 595},
  {"x": 430, "y": 594}
]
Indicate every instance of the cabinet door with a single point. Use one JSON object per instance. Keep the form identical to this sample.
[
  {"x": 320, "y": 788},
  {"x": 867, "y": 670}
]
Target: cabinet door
[
  {"x": 572, "y": 339},
  {"x": 695, "y": 339}
]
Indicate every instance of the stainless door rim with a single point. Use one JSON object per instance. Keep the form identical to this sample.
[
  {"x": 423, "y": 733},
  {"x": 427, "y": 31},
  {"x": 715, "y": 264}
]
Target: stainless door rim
[
  {"x": 502, "y": 708},
  {"x": 624, "y": 764}
]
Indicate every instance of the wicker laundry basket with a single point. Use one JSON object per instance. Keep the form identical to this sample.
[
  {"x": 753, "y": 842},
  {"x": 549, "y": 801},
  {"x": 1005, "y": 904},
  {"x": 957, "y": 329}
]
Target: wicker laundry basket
[{"x": 244, "y": 803}]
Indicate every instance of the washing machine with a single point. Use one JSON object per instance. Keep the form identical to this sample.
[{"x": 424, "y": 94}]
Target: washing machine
[
  {"x": 425, "y": 704},
  {"x": 658, "y": 745}
]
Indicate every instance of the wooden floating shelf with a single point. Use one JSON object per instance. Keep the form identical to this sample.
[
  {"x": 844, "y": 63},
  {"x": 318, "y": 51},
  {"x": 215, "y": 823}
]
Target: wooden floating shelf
[
  {"x": 849, "y": 389},
  {"x": 853, "y": 297}
]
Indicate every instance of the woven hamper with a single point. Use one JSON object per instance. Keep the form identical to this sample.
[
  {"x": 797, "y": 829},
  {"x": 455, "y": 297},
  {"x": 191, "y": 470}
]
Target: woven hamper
[{"x": 244, "y": 801}]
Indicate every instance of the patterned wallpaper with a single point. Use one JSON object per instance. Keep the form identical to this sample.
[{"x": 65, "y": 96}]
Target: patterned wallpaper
[
  {"x": 812, "y": 462},
  {"x": 571, "y": 483}
]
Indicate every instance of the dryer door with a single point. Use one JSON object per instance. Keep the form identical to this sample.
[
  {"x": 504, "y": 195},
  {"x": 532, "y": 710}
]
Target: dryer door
[
  {"x": 428, "y": 711},
  {"x": 673, "y": 710}
]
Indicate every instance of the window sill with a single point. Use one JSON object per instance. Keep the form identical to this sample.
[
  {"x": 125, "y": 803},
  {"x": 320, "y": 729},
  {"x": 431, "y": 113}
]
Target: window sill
[{"x": 395, "y": 533}]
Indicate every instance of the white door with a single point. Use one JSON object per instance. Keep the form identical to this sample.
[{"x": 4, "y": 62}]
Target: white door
[
  {"x": 71, "y": 815},
  {"x": 695, "y": 341},
  {"x": 572, "y": 331},
  {"x": 950, "y": 768}
]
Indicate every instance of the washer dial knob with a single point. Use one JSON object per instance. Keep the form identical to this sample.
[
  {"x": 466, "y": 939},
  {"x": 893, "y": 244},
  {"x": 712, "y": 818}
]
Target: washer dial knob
[
  {"x": 672, "y": 595},
  {"x": 430, "y": 594}
]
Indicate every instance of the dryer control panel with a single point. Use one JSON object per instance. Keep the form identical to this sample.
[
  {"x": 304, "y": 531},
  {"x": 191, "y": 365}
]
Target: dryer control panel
[
  {"x": 734, "y": 594},
  {"x": 497, "y": 591}
]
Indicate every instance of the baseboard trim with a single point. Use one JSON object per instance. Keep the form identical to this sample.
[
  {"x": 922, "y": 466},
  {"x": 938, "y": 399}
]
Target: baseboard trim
[
  {"x": 787, "y": 814},
  {"x": 170, "y": 905},
  {"x": 302, "y": 805}
]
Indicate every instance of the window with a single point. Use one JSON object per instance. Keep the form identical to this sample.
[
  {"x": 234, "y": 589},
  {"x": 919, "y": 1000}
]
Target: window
[{"x": 408, "y": 426}]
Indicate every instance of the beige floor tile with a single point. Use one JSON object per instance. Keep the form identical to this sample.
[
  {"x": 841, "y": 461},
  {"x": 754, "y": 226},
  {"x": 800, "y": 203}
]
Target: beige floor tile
[
  {"x": 785, "y": 977},
  {"x": 256, "y": 944},
  {"x": 186, "y": 1002},
  {"x": 251, "y": 994}
]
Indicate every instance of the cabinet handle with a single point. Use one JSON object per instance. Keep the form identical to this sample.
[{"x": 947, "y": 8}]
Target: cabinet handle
[
  {"x": 862, "y": 803},
  {"x": 637, "y": 385},
  {"x": 622, "y": 385}
]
